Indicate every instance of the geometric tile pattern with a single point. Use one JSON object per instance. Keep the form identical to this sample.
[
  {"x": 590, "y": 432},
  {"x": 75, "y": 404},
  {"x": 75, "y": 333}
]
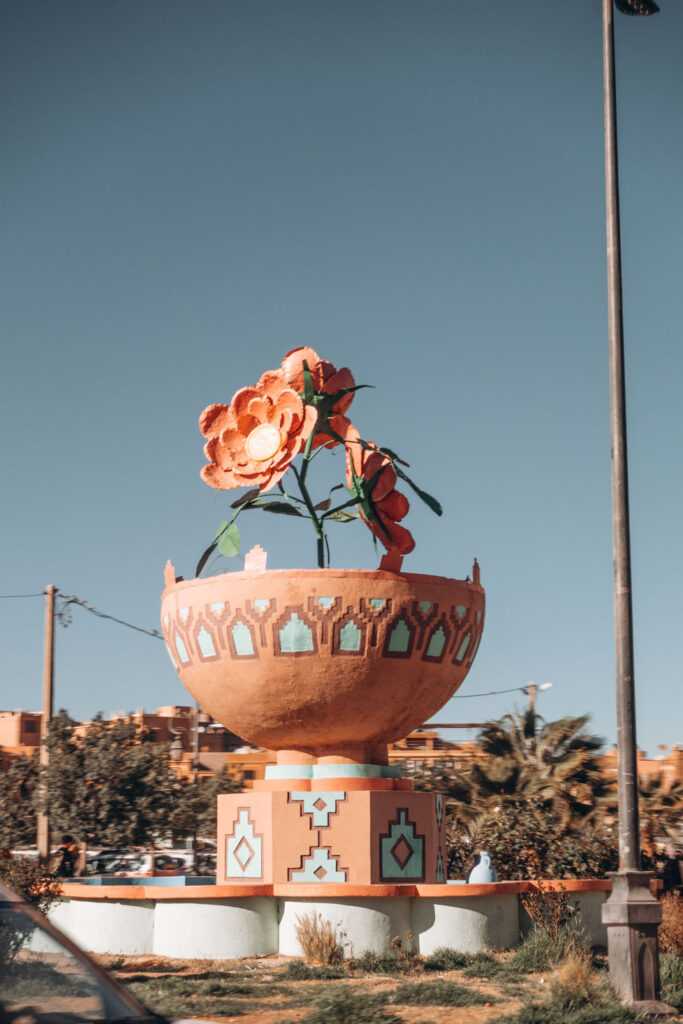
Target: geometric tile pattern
[
  {"x": 422, "y": 630},
  {"x": 318, "y": 866},
  {"x": 244, "y": 849},
  {"x": 402, "y": 850},
  {"x": 319, "y": 805}
]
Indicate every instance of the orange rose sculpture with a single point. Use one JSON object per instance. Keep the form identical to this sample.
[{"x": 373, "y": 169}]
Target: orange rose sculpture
[
  {"x": 255, "y": 440},
  {"x": 252, "y": 441},
  {"x": 371, "y": 477}
]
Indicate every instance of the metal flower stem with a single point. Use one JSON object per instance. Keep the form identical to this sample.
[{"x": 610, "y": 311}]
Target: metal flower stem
[{"x": 317, "y": 524}]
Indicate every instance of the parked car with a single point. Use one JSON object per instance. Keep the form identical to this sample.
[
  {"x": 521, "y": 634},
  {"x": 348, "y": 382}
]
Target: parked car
[{"x": 45, "y": 977}]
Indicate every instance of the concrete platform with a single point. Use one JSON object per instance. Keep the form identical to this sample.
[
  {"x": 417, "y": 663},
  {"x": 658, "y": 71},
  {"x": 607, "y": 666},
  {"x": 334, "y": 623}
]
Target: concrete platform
[{"x": 234, "y": 921}]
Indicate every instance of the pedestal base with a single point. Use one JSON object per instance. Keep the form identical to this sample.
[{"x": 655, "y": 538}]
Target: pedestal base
[
  {"x": 323, "y": 835},
  {"x": 632, "y": 916}
]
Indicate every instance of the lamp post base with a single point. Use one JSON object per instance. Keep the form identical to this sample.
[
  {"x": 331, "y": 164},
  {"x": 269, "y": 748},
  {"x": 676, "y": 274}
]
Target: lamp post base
[{"x": 632, "y": 916}]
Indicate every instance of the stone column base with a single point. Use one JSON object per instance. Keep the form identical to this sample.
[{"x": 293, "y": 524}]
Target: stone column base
[{"x": 632, "y": 916}]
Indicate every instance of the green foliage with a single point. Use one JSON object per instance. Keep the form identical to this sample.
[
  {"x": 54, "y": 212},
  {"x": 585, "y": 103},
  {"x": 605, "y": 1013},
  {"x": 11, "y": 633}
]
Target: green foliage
[
  {"x": 445, "y": 959},
  {"x": 671, "y": 977},
  {"x": 560, "y": 1011},
  {"x": 108, "y": 786},
  {"x": 297, "y": 970},
  {"x": 349, "y": 1006},
  {"x": 539, "y": 952},
  {"x": 30, "y": 880},
  {"x": 438, "y": 993},
  {"x": 526, "y": 841},
  {"x": 382, "y": 963},
  {"x": 483, "y": 965},
  {"x": 17, "y": 802},
  {"x": 193, "y": 807}
]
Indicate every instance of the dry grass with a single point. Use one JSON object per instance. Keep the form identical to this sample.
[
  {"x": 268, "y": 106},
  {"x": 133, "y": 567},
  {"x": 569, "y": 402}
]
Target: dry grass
[
  {"x": 318, "y": 939},
  {"x": 671, "y": 928}
]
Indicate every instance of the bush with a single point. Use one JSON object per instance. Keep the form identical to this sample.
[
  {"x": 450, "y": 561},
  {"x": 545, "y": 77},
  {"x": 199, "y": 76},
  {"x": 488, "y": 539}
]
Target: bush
[
  {"x": 297, "y": 970},
  {"x": 671, "y": 977},
  {"x": 445, "y": 959},
  {"x": 527, "y": 842},
  {"x": 539, "y": 952},
  {"x": 30, "y": 880},
  {"x": 438, "y": 993},
  {"x": 318, "y": 939},
  {"x": 350, "y": 1007},
  {"x": 671, "y": 928},
  {"x": 381, "y": 963}
]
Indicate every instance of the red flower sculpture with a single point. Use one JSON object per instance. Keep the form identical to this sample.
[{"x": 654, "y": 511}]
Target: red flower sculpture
[
  {"x": 326, "y": 382},
  {"x": 252, "y": 441},
  {"x": 372, "y": 479}
]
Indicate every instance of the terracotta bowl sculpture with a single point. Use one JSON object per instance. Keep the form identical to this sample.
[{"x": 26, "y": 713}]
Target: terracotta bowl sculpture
[{"x": 325, "y": 663}]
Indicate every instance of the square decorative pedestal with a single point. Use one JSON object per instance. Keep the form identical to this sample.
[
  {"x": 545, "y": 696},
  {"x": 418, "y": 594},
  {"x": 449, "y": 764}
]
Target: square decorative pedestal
[{"x": 358, "y": 836}]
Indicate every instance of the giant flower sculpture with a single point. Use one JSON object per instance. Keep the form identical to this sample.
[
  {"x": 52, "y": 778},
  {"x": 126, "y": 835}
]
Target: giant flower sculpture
[
  {"x": 252, "y": 441},
  {"x": 291, "y": 412},
  {"x": 371, "y": 477}
]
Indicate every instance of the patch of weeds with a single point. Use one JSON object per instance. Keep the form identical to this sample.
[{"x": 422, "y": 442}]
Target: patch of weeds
[
  {"x": 671, "y": 977},
  {"x": 556, "y": 1011},
  {"x": 483, "y": 965},
  {"x": 538, "y": 952},
  {"x": 347, "y": 1006},
  {"x": 445, "y": 959},
  {"x": 188, "y": 996},
  {"x": 438, "y": 993},
  {"x": 381, "y": 963},
  {"x": 297, "y": 970},
  {"x": 513, "y": 991}
]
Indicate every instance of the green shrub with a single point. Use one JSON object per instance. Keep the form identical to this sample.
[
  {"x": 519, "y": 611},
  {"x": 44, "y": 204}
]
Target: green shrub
[
  {"x": 297, "y": 970},
  {"x": 437, "y": 993},
  {"x": 348, "y": 1006},
  {"x": 445, "y": 959},
  {"x": 538, "y": 952},
  {"x": 382, "y": 963},
  {"x": 671, "y": 977}
]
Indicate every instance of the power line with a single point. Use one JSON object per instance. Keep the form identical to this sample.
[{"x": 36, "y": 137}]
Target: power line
[
  {"x": 489, "y": 693},
  {"x": 68, "y": 600},
  {"x": 65, "y": 618}
]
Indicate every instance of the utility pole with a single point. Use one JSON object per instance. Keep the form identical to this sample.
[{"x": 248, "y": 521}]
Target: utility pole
[{"x": 43, "y": 821}]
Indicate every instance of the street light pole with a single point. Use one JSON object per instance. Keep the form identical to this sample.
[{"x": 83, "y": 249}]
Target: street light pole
[{"x": 631, "y": 914}]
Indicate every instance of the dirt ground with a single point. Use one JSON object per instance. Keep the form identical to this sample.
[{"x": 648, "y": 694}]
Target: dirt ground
[{"x": 266, "y": 974}]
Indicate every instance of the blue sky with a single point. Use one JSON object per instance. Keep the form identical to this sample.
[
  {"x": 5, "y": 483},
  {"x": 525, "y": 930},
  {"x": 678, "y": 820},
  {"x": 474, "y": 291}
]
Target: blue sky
[{"x": 416, "y": 189}]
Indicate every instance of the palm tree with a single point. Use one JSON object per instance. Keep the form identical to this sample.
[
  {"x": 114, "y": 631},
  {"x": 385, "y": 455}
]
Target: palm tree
[
  {"x": 556, "y": 766},
  {"x": 660, "y": 806}
]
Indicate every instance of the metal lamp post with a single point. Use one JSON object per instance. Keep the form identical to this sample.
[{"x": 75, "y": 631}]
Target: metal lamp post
[{"x": 631, "y": 914}]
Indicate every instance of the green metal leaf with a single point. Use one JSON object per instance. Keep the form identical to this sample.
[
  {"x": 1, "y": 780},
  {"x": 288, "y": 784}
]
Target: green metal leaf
[
  {"x": 229, "y": 542},
  {"x": 205, "y": 557},
  {"x": 342, "y": 516},
  {"x": 282, "y": 508},
  {"x": 246, "y": 498},
  {"x": 220, "y": 529},
  {"x": 309, "y": 393},
  {"x": 427, "y": 498}
]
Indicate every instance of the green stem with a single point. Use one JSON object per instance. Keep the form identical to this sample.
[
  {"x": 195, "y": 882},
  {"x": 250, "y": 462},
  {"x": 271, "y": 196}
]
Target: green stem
[
  {"x": 317, "y": 525},
  {"x": 307, "y": 458}
]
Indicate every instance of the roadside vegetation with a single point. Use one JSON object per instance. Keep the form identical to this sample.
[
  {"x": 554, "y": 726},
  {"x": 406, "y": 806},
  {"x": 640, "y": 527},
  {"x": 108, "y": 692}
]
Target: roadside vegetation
[{"x": 542, "y": 982}]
